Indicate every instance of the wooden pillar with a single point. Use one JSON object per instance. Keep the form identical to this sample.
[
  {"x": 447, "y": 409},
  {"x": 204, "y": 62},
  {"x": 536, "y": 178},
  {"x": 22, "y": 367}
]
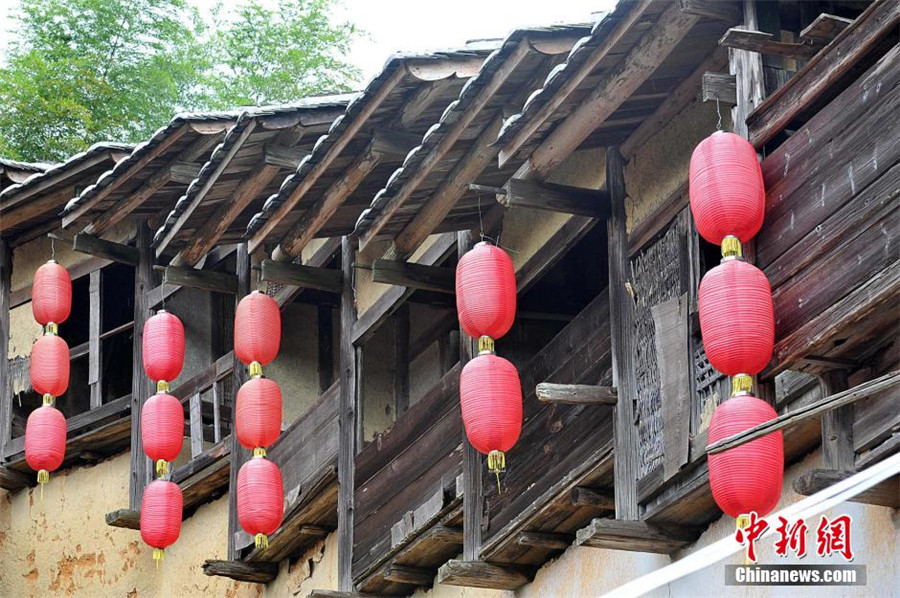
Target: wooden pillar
[
  {"x": 401, "y": 360},
  {"x": 747, "y": 67},
  {"x": 141, "y": 386},
  {"x": 837, "y": 426},
  {"x": 621, "y": 308},
  {"x": 5, "y": 388},
  {"x": 347, "y": 421},
  {"x": 473, "y": 499},
  {"x": 239, "y": 454},
  {"x": 326, "y": 348},
  {"x": 95, "y": 345}
]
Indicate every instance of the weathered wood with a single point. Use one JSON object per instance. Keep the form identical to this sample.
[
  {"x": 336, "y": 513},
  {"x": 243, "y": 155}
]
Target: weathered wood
[
  {"x": 401, "y": 360},
  {"x": 204, "y": 280},
  {"x": 576, "y": 394},
  {"x": 570, "y": 233},
  {"x": 115, "y": 252},
  {"x": 765, "y": 43},
  {"x": 824, "y": 28},
  {"x": 555, "y": 198},
  {"x": 587, "y": 497},
  {"x": 673, "y": 353},
  {"x": 880, "y": 452},
  {"x": 422, "y": 100},
  {"x": 141, "y": 469},
  {"x": 337, "y": 594},
  {"x": 321, "y": 257},
  {"x": 747, "y": 67},
  {"x": 409, "y": 575},
  {"x": 297, "y": 275},
  {"x": 824, "y": 405},
  {"x": 5, "y": 383},
  {"x": 476, "y": 574},
  {"x": 722, "y": 10},
  {"x": 414, "y": 276},
  {"x": 282, "y": 156},
  {"x": 325, "y": 344},
  {"x": 837, "y": 426},
  {"x": 620, "y": 318},
  {"x": 95, "y": 323},
  {"x": 636, "y": 536},
  {"x": 13, "y": 480},
  {"x": 196, "y": 426},
  {"x": 545, "y": 541},
  {"x": 720, "y": 87},
  {"x": 885, "y": 494},
  {"x": 394, "y": 144},
  {"x": 184, "y": 173},
  {"x": 846, "y": 50},
  {"x": 347, "y": 422},
  {"x": 256, "y": 572},
  {"x": 124, "y": 518}
]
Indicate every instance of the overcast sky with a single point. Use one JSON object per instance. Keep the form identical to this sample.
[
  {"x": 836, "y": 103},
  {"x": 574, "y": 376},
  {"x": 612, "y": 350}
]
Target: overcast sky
[{"x": 417, "y": 25}]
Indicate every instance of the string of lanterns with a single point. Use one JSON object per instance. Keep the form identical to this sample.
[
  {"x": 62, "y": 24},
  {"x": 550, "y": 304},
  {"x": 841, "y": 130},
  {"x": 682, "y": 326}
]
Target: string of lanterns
[
  {"x": 260, "y": 494},
  {"x": 162, "y": 431},
  {"x": 737, "y": 322},
  {"x": 45, "y": 430},
  {"x": 489, "y": 387}
]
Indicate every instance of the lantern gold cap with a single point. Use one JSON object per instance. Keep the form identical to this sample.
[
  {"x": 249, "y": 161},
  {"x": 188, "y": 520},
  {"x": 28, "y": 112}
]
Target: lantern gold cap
[
  {"x": 259, "y": 452},
  {"x": 162, "y": 386},
  {"x": 48, "y": 398},
  {"x": 485, "y": 344},
  {"x": 52, "y": 328},
  {"x": 731, "y": 248},
  {"x": 162, "y": 468},
  {"x": 261, "y": 541},
  {"x": 255, "y": 369},
  {"x": 741, "y": 384}
]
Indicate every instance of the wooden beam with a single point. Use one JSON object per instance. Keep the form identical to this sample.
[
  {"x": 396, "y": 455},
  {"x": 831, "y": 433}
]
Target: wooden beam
[
  {"x": 885, "y": 494},
  {"x": 443, "y": 199},
  {"x": 28, "y": 194},
  {"x": 555, "y": 198},
  {"x": 414, "y": 276},
  {"x": 879, "y": 453},
  {"x": 574, "y": 79},
  {"x": 283, "y": 156},
  {"x": 255, "y": 572},
  {"x": 124, "y": 518},
  {"x": 6, "y": 265},
  {"x": 837, "y": 426},
  {"x": 823, "y": 405},
  {"x": 576, "y": 394},
  {"x": 586, "y": 497},
  {"x": 422, "y": 100},
  {"x": 323, "y": 164},
  {"x": 184, "y": 172},
  {"x": 720, "y": 87},
  {"x": 323, "y": 256},
  {"x": 413, "y": 576},
  {"x": 347, "y": 421},
  {"x": 95, "y": 349},
  {"x": 394, "y": 145},
  {"x": 476, "y": 574},
  {"x": 621, "y": 333},
  {"x": 308, "y": 277},
  {"x": 173, "y": 229},
  {"x": 446, "y": 144},
  {"x": 108, "y": 250},
  {"x": 141, "y": 469},
  {"x": 545, "y": 541},
  {"x": 12, "y": 480},
  {"x": 205, "y": 280},
  {"x": 636, "y": 536},
  {"x": 196, "y": 427},
  {"x": 824, "y": 28},
  {"x": 819, "y": 74},
  {"x": 765, "y": 43},
  {"x": 722, "y": 10}
]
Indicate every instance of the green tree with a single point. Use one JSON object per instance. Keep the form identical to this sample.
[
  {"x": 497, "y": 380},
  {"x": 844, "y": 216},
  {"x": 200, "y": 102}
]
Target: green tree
[{"x": 82, "y": 71}]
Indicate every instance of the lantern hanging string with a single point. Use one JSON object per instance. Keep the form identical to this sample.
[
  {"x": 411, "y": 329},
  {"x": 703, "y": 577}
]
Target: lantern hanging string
[
  {"x": 719, "y": 113},
  {"x": 164, "y": 280}
]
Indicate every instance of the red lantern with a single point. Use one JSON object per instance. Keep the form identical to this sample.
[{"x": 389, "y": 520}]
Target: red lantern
[
  {"x": 45, "y": 440},
  {"x": 491, "y": 398},
  {"x": 260, "y": 498},
  {"x": 486, "y": 291},
  {"x": 258, "y": 419},
  {"x": 726, "y": 188},
  {"x": 748, "y": 477},
  {"x": 51, "y": 294},
  {"x": 163, "y": 347},
  {"x": 257, "y": 329},
  {"x": 162, "y": 428},
  {"x": 161, "y": 516},
  {"x": 50, "y": 365},
  {"x": 737, "y": 318}
]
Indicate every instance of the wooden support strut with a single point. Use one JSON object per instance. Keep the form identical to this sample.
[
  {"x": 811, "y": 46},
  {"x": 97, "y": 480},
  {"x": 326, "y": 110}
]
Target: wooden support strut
[
  {"x": 414, "y": 276},
  {"x": 576, "y": 394},
  {"x": 205, "y": 280},
  {"x": 555, "y": 198},
  {"x": 256, "y": 572},
  {"x": 765, "y": 43},
  {"x": 109, "y": 250},
  {"x": 476, "y": 574},
  {"x": 885, "y": 494},
  {"x": 720, "y": 87},
  {"x": 297, "y": 275}
]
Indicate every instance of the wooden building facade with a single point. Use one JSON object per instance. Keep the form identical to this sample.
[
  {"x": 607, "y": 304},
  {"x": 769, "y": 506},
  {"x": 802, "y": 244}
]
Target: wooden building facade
[{"x": 566, "y": 145}]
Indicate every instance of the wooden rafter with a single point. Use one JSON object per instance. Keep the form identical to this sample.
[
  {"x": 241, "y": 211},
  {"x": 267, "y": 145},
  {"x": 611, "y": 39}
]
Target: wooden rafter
[
  {"x": 555, "y": 198},
  {"x": 322, "y": 165},
  {"x": 41, "y": 205},
  {"x": 210, "y": 182},
  {"x": 49, "y": 181},
  {"x": 421, "y": 101}
]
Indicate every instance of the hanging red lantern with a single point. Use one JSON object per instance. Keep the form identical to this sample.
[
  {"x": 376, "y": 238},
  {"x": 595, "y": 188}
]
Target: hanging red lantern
[
  {"x": 162, "y": 429},
  {"x": 50, "y": 365},
  {"x": 748, "y": 477},
  {"x": 737, "y": 318},
  {"x": 51, "y": 294},
  {"x": 260, "y": 498},
  {"x": 257, "y": 329},
  {"x": 726, "y": 188},
  {"x": 491, "y": 399},
  {"x": 258, "y": 413},
  {"x": 163, "y": 347},
  {"x": 45, "y": 440},
  {"x": 161, "y": 510},
  {"x": 486, "y": 291}
]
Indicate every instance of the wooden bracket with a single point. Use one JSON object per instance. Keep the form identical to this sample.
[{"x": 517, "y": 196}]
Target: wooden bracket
[
  {"x": 545, "y": 541},
  {"x": 11, "y": 479},
  {"x": 309, "y": 277},
  {"x": 637, "y": 536},
  {"x": 587, "y": 497},
  {"x": 555, "y": 198},
  {"x": 765, "y": 43},
  {"x": 478, "y": 574},
  {"x": 257, "y": 572},
  {"x": 885, "y": 494},
  {"x": 410, "y": 575},
  {"x": 825, "y": 28},
  {"x": 205, "y": 280},
  {"x": 415, "y": 276},
  {"x": 126, "y": 518},
  {"x": 721, "y": 86},
  {"x": 108, "y": 250},
  {"x": 576, "y": 394}
]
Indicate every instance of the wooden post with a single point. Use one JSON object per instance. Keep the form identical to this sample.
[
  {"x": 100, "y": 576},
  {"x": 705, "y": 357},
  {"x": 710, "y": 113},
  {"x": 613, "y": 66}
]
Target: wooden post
[
  {"x": 5, "y": 388},
  {"x": 401, "y": 360},
  {"x": 473, "y": 499},
  {"x": 326, "y": 347},
  {"x": 747, "y": 67},
  {"x": 621, "y": 308},
  {"x": 95, "y": 346},
  {"x": 141, "y": 467},
  {"x": 196, "y": 418},
  {"x": 347, "y": 421},
  {"x": 238, "y": 453},
  {"x": 837, "y": 426}
]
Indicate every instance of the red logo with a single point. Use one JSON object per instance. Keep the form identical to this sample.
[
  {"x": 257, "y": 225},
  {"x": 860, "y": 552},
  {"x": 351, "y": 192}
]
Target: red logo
[{"x": 834, "y": 537}]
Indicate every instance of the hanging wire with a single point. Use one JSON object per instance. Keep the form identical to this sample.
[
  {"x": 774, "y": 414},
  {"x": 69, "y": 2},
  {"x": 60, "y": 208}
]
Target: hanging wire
[
  {"x": 719, "y": 113},
  {"x": 164, "y": 280},
  {"x": 52, "y": 249}
]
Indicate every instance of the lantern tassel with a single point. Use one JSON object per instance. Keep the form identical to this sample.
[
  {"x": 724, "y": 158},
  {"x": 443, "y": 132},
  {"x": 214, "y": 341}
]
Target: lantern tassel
[
  {"x": 743, "y": 522},
  {"x": 497, "y": 465},
  {"x": 43, "y": 477},
  {"x": 158, "y": 555},
  {"x": 261, "y": 541}
]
